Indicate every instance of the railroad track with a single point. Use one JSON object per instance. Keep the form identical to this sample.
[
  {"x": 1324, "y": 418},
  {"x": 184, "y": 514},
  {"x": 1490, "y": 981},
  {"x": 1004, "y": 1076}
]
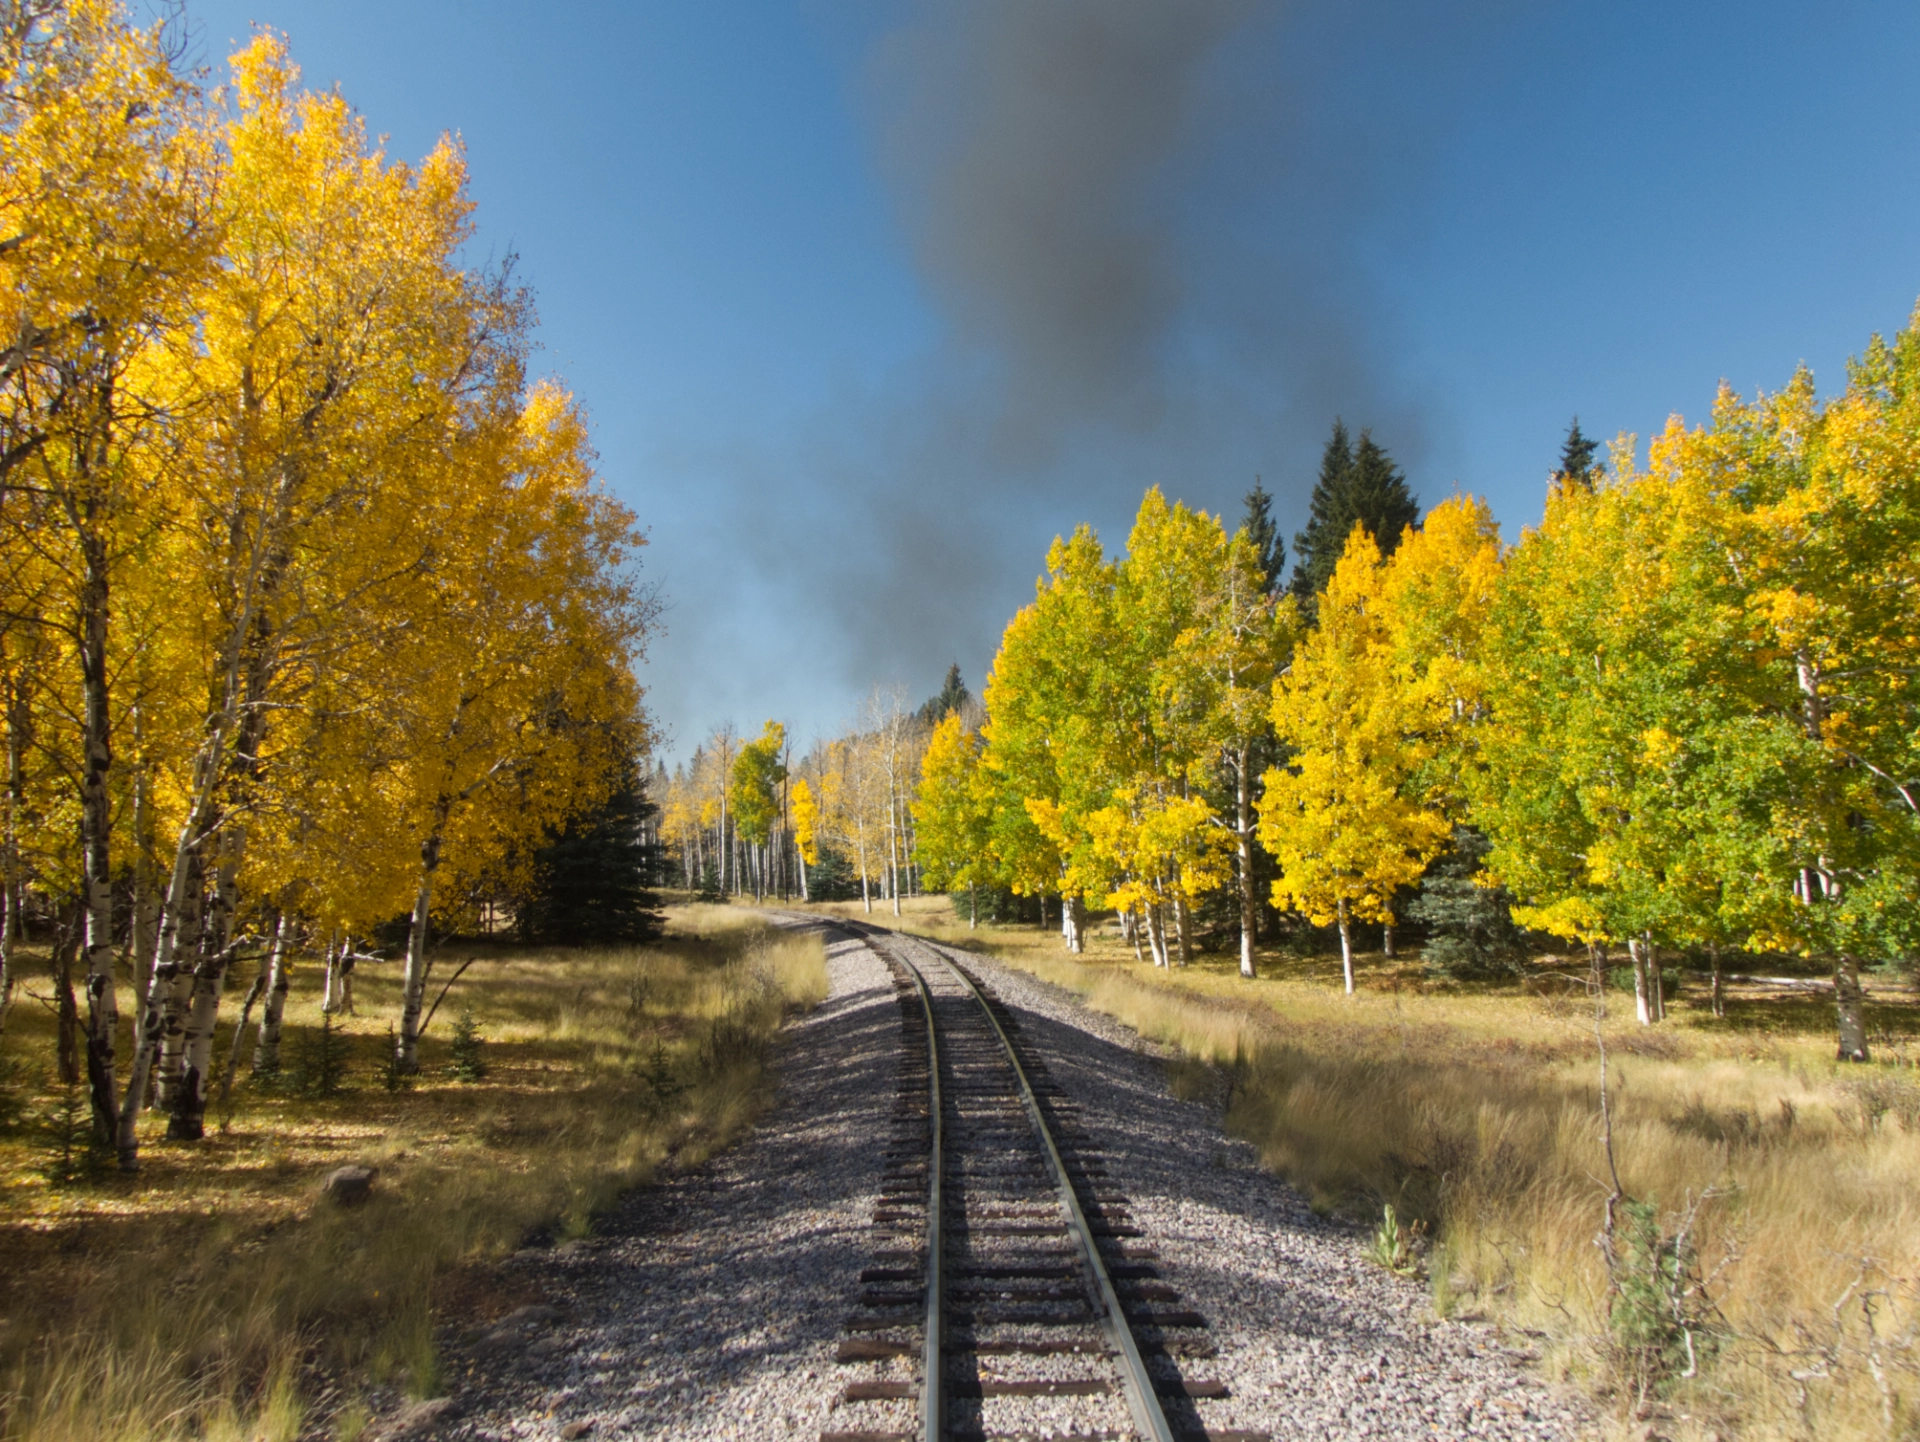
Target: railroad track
[{"x": 1011, "y": 1295}]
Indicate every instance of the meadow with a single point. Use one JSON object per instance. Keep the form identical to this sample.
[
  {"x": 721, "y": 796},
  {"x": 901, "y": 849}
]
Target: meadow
[
  {"x": 216, "y": 1295},
  {"x": 1767, "y": 1240}
]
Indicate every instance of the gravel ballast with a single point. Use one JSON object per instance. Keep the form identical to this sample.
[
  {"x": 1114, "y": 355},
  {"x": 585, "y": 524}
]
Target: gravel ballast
[{"x": 709, "y": 1305}]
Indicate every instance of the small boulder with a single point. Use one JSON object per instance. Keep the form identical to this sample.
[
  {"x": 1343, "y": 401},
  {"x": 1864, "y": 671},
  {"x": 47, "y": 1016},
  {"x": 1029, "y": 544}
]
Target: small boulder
[
  {"x": 575, "y": 1430},
  {"x": 348, "y": 1186}
]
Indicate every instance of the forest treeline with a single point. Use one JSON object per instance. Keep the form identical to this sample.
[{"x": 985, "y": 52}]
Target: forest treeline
[
  {"x": 315, "y": 616},
  {"x": 1681, "y": 714}
]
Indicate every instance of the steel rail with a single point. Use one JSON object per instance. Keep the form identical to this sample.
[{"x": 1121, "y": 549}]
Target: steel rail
[
  {"x": 1143, "y": 1400},
  {"x": 933, "y": 1404}
]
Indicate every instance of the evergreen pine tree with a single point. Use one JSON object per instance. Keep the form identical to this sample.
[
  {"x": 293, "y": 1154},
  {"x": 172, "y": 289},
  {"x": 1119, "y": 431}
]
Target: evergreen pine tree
[
  {"x": 1470, "y": 930},
  {"x": 1357, "y": 483},
  {"x": 1264, "y": 534},
  {"x": 952, "y": 696},
  {"x": 588, "y": 883},
  {"x": 1577, "y": 463}
]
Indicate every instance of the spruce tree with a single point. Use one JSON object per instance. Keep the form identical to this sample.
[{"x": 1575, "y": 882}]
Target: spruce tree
[
  {"x": 952, "y": 696},
  {"x": 1357, "y": 483},
  {"x": 1577, "y": 464},
  {"x": 1470, "y": 930},
  {"x": 588, "y": 884},
  {"x": 1264, "y": 534}
]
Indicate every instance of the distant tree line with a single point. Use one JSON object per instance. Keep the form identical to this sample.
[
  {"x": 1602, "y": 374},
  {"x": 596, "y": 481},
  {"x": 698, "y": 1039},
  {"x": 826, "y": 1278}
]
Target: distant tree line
[{"x": 1682, "y": 713}]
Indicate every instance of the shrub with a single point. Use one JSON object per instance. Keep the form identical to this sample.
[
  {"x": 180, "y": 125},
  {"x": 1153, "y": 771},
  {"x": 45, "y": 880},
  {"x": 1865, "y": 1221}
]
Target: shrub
[{"x": 467, "y": 1065}]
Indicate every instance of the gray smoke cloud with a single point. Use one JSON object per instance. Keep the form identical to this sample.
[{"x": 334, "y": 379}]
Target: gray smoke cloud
[
  {"x": 1152, "y": 228},
  {"x": 1029, "y": 145}
]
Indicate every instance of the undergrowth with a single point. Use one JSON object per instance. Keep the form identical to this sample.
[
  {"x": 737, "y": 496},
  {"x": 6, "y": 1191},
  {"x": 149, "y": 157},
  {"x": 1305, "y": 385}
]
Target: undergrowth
[
  {"x": 214, "y": 1296},
  {"x": 1765, "y": 1280}
]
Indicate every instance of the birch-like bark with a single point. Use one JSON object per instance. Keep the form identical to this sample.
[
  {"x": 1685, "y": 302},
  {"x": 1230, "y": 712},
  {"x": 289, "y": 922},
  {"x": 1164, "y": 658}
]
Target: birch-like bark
[
  {"x": 266, "y": 1046},
  {"x": 1850, "y": 1008},
  {"x": 1346, "y": 944},
  {"x": 1386, "y": 939},
  {"x": 1156, "y": 934},
  {"x": 96, "y": 827},
  {"x": 414, "y": 982},
  {"x": 1719, "y": 985},
  {"x": 11, "y": 889},
  {"x": 19, "y": 719},
  {"x": 145, "y": 922},
  {"x": 1243, "y": 852},
  {"x": 66, "y": 1012},
  {"x": 247, "y": 1003},
  {"x": 187, "y": 1119},
  {"x": 330, "y": 983},
  {"x": 973, "y": 907},
  {"x": 1183, "y": 924},
  {"x": 1130, "y": 929},
  {"x": 1642, "y": 986}
]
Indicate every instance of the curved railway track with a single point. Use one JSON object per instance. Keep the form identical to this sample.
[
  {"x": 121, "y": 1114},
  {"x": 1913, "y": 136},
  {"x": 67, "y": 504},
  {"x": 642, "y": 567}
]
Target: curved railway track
[{"x": 1010, "y": 1295}]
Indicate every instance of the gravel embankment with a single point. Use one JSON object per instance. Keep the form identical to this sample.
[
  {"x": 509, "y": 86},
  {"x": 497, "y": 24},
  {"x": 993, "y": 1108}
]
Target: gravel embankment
[
  {"x": 709, "y": 1306},
  {"x": 1314, "y": 1341}
]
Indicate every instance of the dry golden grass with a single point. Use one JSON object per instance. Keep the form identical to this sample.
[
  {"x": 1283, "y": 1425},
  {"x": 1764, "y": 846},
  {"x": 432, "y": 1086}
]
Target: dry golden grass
[
  {"x": 213, "y": 1295},
  {"x": 1475, "y": 1112}
]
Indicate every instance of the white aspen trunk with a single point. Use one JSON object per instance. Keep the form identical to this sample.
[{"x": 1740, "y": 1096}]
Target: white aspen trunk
[
  {"x": 1130, "y": 931},
  {"x": 266, "y": 1046},
  {"x": 893, "y": 841},
  {"x": 187, "y": 1122},
  {"x": 1850, "y": 1007},
  {"x": 1656, "y": 984},
  {"x": 247, "y": 1003},
  {"x": 1386, "y": 939},
  {"x": 159, "y": 1012},
  {"x": 973, "y": 907},
  {"x": 9, "y": 940},
  {"x": 1156, "y": 934},
  {"x": 1719, "y": 985},
  {"x": 1243, "y": 853},
  {"x": 146, "y": 896},
  {"x": 1346, "y": 945},
  {"x": 800, "y": 860},
  {"x": 866, "y": 897},
  {"x": 414, "y": 981},
  {"x": 1183, "y": 923},
  {"x": 11, "y": 889},
  {"x": 96, "y": 827},
  {"x": 330, "y": 987},
  {"x": 1642, "y": 986},
  {"x": 180, "y": 945}
]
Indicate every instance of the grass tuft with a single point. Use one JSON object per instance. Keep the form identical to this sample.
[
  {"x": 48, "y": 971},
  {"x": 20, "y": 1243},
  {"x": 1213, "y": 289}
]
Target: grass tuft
[
  {"x": 1766, "y": 1273},
  {"x": 214, "y": 1296}
]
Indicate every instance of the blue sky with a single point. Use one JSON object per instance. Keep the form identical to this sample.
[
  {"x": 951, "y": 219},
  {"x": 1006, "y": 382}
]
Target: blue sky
[{"x": 869, "y": 300}]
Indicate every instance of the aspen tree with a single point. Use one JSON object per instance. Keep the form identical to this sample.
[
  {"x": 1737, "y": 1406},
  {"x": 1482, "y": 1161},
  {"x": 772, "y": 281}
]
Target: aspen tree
[
  {"x": 107, "y": 173},
  {"x": 754, "y": 787},
  {"x": 1807, "y": 516},
  {"x": 523, "y": 701},
  {"x": 953, "y": 809},
  {"x": 1338, "y": 818}
]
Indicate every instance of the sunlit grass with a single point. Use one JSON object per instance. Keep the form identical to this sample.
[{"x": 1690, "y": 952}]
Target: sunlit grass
[
  {"x": 1475, "y": 1112},
  {"x": 214, "y": 1296}
]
